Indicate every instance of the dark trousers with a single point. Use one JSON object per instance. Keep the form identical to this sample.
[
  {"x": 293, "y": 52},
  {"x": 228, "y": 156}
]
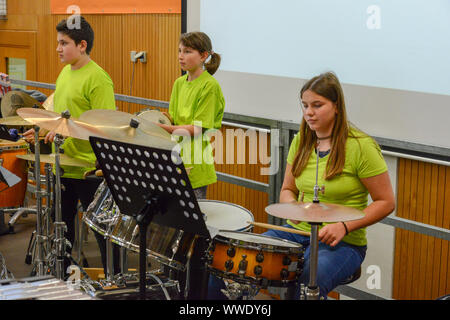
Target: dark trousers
[{"x": 72, "y": 191}]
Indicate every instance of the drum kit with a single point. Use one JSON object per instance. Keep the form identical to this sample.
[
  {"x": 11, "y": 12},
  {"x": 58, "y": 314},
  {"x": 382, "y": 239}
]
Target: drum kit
[{"x": 245, "y": 260}]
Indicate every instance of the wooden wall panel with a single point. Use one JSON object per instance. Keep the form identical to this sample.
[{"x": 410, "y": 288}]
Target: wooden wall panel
[
  {"x": 254, "y": 201},
  {"x": 115, "y": 36},
  {"x": 158, "y": 35},
  {"x": 421, "y": 268}
]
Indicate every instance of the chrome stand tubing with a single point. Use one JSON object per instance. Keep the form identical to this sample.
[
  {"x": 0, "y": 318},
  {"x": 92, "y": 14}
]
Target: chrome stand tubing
[
  {"x": 40, "y": 237},
  {"x": 312, "y": 290},
  {"x": 60, "y": 226},
  {"x": 109, "y": 261}
]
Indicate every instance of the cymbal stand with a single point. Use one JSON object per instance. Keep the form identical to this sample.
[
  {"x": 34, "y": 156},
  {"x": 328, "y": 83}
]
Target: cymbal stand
[
  {"x": 312, "y": 289},
  {"x": 40, "y": 237},
  {"x": 60, "y": 226},
  {"x": 48, "y": 199}
]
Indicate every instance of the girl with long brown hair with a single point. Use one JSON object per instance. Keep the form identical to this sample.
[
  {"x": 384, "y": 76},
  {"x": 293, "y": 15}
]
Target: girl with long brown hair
[{"x": 350, "y": 168}]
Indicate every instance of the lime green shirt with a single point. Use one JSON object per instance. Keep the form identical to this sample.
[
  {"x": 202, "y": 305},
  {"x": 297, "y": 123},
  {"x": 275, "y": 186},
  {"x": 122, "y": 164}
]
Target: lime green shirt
[
  {"x": 199, "y": 102},
  {"x": 363, "y": 159},
  {"x": 89, "y": 87}
]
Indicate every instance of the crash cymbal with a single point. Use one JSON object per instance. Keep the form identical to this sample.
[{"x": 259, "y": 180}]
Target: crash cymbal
[
  {"x": 101, "y": 118},
  {"x": 48, "y": 103},
  {"x": 154, "y": 116},
  {"x": 125, "y": 127},
  {"x": 15, "y": 121},
  {"x": 62, "y": 123},
  {"x": 14, "y": 100},
  {"x": 314, "y": 212},
  {"x": 64, "y": 160}
]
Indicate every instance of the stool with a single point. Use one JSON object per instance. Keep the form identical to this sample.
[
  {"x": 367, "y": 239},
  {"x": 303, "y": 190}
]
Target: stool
[{"x": 355, "y": 276}]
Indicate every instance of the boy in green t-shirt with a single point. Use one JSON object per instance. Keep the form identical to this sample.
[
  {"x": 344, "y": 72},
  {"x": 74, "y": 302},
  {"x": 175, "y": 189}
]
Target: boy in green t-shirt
[{"x": 82, "y": 85}]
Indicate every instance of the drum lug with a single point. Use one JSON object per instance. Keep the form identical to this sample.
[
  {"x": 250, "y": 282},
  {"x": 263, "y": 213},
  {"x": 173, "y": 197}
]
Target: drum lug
[
  {"x": 243, "y": 265},
  {"x": 286, "y": 261},
  {"x": 231, "y": 252},
  {"x": 229, "y": 264},
  {"x": 257, "y": 270},
  {"x": 284, "y": 273},
  {"x": 260, "y": 257}
]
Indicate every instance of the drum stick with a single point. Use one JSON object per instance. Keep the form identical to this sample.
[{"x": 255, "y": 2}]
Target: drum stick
[
  {"x": 271, "y": 226},
  {"x": 23, "y": 137}
]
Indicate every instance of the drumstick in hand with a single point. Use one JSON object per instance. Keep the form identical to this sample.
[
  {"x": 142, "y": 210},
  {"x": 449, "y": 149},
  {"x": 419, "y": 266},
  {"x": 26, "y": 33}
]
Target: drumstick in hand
[{"x": 271, "y": 226}]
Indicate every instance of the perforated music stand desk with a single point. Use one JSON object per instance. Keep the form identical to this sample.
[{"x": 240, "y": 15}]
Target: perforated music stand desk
[{"x": 151, "y": 185}]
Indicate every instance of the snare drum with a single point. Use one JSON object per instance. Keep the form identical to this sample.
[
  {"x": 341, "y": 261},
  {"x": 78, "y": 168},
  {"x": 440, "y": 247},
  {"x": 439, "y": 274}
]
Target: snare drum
[
  {"x": 15, "y": 195},
  {"x": 225, "y": 216},
  {"x": 250, "y": 258}
]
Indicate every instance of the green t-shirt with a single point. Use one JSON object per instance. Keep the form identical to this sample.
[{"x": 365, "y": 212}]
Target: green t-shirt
[
  {"x": 363, "y": 159},
  {"x": 199, "y": 102},
  {"x": 89, "y": 87}
]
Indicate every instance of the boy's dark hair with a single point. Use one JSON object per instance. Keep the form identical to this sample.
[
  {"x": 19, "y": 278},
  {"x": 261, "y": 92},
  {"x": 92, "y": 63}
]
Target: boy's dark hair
[{"x": 77, "y": 29}]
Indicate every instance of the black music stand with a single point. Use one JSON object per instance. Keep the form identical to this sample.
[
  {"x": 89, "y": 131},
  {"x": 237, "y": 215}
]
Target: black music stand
[{"x": 151, "y": 185}]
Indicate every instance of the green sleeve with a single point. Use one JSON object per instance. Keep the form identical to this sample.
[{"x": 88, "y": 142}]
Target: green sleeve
[
  {"x": 293, "y": 149},
  {"x": 371, "y": 162},
  {"x": 173, "y": 101},
  {"x": 102, "y": 97},
  {"x": 208, "y": 108}
]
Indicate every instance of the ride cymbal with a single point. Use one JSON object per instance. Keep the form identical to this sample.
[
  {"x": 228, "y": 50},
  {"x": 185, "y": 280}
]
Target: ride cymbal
[
  {"x": 64, "y": 160},
  {"x": 62, "y": 124},
  {"x": 125, "y": 127},
  {"x": 314, "y": 212},
  {"x": 48, "y": 103},
  {"x": 155, "y": 116}
]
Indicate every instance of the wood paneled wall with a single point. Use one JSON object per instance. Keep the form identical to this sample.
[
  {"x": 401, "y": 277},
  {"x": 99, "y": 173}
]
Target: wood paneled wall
[
  {"x": 253, "y": 200},
  {"x": 115, "y": 37},
  {"x": 421, "y": 263}
]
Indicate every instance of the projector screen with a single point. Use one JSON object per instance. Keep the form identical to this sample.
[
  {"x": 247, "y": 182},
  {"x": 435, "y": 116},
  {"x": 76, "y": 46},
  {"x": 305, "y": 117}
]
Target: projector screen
[{"x": 392, "y": 58}]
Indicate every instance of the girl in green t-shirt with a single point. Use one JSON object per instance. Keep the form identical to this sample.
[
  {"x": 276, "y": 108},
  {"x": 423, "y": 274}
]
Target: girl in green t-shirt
[
  {"x": 196, "y": 104},
  {"x": 350, "y": 168}
]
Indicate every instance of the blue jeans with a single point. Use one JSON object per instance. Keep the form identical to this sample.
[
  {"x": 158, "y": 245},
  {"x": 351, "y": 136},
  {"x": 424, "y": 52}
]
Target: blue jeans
[{"x": 335, "y": 264}]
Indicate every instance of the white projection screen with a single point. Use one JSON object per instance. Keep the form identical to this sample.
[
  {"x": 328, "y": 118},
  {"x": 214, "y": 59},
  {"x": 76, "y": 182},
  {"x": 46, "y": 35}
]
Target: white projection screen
[{"x": 392, "y": 58}]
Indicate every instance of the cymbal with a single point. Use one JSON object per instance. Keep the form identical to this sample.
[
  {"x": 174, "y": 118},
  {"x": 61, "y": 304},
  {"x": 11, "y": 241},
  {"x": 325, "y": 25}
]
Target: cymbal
[
  {"x": 59, "y": 123},
  {"x": 112, "y": 118},
  {"x": 116, "y": 125},
  {"x": 14, "y": 100},
  {"x": 15, "y": 121},
  {"x": 48, "y": 103},
  {"x": 63, "y": 160},
  {"x": 154, "y": 116},
  {"x": 314, "y": 212}
]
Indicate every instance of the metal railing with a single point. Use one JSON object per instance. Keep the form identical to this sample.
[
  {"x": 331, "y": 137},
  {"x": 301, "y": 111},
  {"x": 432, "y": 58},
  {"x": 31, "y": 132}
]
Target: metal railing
[{"x": 281, "y": 135}]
